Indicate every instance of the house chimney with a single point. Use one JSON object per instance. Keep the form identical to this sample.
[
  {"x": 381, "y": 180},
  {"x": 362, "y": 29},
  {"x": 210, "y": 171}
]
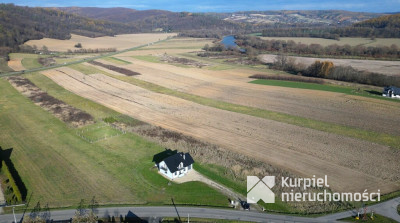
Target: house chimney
[{"x": 183, "y": 156}]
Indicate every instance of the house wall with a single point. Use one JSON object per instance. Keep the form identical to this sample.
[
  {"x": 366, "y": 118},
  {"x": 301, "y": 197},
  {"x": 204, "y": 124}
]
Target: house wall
[{"x": 161, "y": 168}]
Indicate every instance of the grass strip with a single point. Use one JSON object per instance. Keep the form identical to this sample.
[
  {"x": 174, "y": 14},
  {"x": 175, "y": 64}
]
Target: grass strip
[
  {"x": 116, "y": 60},
  {"x": 322, "y": 87}
]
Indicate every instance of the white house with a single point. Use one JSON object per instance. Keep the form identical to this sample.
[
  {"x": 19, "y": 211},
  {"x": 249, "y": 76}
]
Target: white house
[
  {"x": 391, "y": 92},
  {"x": 176, "y": 165}
]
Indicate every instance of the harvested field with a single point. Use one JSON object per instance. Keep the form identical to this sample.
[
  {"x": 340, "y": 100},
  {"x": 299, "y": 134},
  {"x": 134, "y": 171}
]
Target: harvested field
[
  {"x": 377, "y": 66},
  {"x": 115, "y": 68},
  {"x": 179, "y": 60},
  {"x": 64, "y": 112},
  {"x": 232, "y": 86},
  {"x": 16, "y": 64},
  {"x": 342, "y": 41},
  {"x": 300, "y": 150},
  {"x": 119, "y": 42},
  {"x": 183, "y": 43}
]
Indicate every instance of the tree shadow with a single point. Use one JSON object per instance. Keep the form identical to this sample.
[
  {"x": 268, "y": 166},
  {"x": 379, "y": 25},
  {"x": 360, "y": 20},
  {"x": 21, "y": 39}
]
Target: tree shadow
[
  {"x": 5, "y": 155},
  {"x": 374, "y": 92}
]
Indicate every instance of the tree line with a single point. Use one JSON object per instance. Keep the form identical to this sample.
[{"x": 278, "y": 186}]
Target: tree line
[
  {"x": 383, "y": 27},
  {"x": 326, "y": 69},
  {"x": 255, "y": 43}
]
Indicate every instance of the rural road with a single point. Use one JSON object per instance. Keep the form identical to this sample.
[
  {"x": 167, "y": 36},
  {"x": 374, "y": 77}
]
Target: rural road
[
  {"x": 154, "y": 214},
  {"x": 387, "y": 208}
]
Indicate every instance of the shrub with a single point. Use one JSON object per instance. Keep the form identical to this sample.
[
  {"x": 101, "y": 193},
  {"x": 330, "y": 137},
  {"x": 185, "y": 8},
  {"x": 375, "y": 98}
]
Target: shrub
[{"x": 12, "y": 182}]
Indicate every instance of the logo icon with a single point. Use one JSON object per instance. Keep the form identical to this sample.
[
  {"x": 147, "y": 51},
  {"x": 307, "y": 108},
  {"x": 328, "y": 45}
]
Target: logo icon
[{"x": 260, "y": 189}]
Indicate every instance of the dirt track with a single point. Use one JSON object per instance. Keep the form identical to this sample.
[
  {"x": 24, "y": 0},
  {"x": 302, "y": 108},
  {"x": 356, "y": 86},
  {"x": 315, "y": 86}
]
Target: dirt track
[
  {"x": 232, "y": 86},
  {"x": 346, "y": 161}
]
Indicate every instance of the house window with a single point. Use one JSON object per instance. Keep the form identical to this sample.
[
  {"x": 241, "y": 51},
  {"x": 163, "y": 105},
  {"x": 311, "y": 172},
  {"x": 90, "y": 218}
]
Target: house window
[{"x": 190, "y": 167}]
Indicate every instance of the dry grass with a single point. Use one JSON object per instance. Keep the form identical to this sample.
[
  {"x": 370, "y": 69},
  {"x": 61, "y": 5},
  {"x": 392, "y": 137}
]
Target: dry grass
[
  {"x": 376, "y": 66},
  {"x": 342, "y": 41},
  {"x": 232, "y": 86},
  {"x": 16, "y": 64},
  {"x": 61, "y": 110},
  {"x": 299, "y": 150},
  {"x": 119, "y": 42}
]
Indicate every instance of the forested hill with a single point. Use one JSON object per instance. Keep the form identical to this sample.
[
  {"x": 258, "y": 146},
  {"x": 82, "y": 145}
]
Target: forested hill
[
  {"x": 19, "y": 24},
  {"x": 160, "y": 20},
  {"x": 383, "y": 22},
  {"x": 124, "y": 15}
]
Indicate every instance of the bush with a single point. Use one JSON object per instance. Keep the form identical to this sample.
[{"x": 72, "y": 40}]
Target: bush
[
  {"x": 78, "y": 45},
  {"x": 12, "y": 182}
]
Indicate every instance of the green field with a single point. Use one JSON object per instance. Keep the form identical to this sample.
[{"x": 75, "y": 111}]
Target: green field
[
  {"x": 343, "y": 41},
  {"x": 4, "y": 66},
  {"x": 60, "y": 168},
  {"x": 29, "y": 61},
  {"x": 116, "y": 60}
]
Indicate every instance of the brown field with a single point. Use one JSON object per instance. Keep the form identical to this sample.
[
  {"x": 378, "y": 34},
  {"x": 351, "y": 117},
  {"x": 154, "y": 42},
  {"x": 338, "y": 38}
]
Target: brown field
[
  {"x": 232, "y": 86},
  {"x": 119, "y": 42},
  {"x": 300, "y": 150},
  {"x": 182, "y": 43},
  {"x": 16, "y": 64},
  {"x": 342, "y": 41},
  {"x": 378, "y": 66}
]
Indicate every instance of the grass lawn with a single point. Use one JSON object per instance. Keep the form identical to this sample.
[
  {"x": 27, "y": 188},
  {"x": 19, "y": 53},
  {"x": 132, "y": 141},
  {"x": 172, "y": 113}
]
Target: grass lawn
[
  {"x": 60, "y": 168},
  {"x": 29, "y": 60},
  {"x": 377, "y": 218},
  {"x": 97, "y": 132},
  {"x": 4, "y": 66}
]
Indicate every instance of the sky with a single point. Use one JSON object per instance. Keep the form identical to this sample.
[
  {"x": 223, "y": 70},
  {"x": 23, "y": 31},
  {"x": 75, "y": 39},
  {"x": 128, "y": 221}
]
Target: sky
[{"x": 223, "y": 5}]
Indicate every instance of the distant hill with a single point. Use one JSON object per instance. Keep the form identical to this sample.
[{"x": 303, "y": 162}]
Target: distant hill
[
  {"x": 20, "y": 24},
  {"x": 322, "y": 17},
  {"x": 124, "y": 15},
  {"x": 383, "y": 22},
  {"x": 157, "y": 20}
]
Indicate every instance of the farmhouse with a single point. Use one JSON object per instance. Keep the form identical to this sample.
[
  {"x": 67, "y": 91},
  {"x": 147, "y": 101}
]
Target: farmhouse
[
  {"x": 176, "y": 165},
  {"x": 391, "y": 92}
]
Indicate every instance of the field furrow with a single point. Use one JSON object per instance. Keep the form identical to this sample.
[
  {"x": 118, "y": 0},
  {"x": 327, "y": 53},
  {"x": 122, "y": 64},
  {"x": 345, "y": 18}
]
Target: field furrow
[{"x": 346, "y": 161}]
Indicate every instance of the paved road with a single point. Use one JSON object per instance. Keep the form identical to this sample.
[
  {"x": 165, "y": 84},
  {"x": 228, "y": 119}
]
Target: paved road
[
  {"x": 153, "y": 214},
  {"x": 387, "y": 208}
]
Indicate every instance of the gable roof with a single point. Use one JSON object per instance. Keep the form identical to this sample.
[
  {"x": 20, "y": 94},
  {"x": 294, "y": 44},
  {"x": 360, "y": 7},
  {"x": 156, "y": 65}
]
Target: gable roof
[
  {"x": 173, "y": 161},
  {"x": 395, "y": 90}
]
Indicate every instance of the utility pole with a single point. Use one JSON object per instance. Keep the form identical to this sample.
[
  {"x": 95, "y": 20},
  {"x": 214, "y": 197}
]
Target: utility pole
[{"x": 13, "y": 207}]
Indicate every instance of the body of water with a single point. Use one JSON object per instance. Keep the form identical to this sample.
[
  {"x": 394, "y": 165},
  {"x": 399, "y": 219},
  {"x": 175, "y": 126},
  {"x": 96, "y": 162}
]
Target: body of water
[{"x": 229, "y": 42}]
